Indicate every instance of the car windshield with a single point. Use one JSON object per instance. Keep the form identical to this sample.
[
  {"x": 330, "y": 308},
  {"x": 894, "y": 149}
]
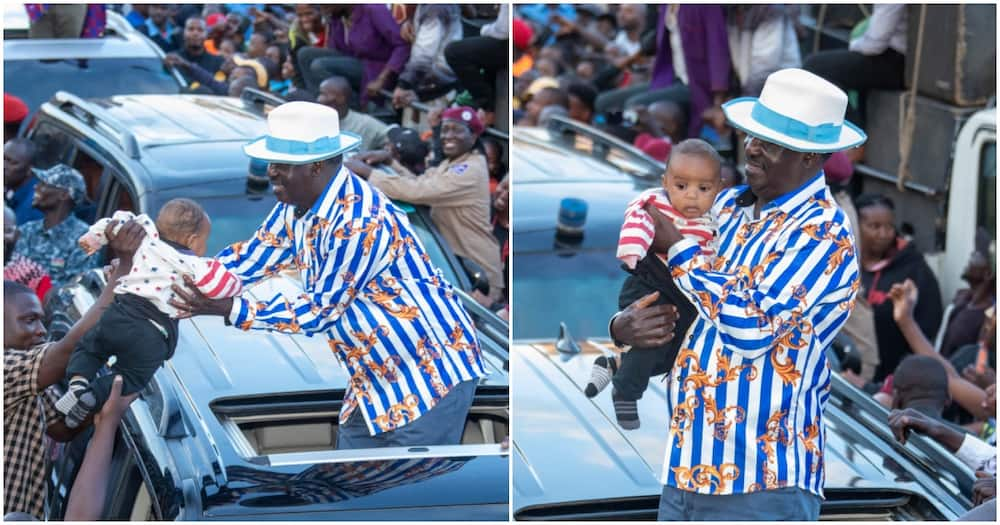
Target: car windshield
[
  {"x": 35, "y": 81},
  {"x": 579, "y": 288}
]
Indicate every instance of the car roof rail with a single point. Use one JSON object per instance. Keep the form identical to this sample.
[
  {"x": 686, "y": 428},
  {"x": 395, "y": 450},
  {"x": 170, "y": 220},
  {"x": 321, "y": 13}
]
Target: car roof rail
[
  {"x": 603, "y": 145},
  {"x": 260, "y": 99},
  {"x": 100, "y": 120}
]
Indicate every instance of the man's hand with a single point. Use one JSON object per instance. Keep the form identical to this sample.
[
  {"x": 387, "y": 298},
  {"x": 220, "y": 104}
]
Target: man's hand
[
  {"x": 643, "y": 324},
  {"x": 175, "y": 60},
  {"x": 990, "y": 402},
  {"x": 192, "y": 302},
  {"x": 126, "y": 242},
  {"x": 902, "y": 421},
  {"x": 403, "y": 97},
  {"x": 358, "y": 167},
  {"x": 434, "y": 117},
  {"x": 984, "y": 489},
  {"x": 407, "y": 31},
  {"x": 116, "y": 405},
  {"x": 666, "y": 234},
  {"x": 904, "y": 298},
  {"x": 983, "y": 380},
  {"x": 374, "y": 157}
]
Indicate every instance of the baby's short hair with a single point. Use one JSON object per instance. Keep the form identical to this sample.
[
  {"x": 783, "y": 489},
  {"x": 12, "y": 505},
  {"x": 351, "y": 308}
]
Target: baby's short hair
[
  {"x": 697, "y": 148},
  {"x": 180, "y": 218}
]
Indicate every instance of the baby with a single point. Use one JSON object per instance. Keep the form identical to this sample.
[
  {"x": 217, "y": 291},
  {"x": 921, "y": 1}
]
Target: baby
[
  {"x": 690, "y": 185},
  {"x": 140, "y": 327}
]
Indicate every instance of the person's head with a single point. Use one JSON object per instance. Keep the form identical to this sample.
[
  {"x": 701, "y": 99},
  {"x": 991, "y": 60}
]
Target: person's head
[
  {"x": 550, "y": 96},
  {"x": 258, "y": 45},
  {"x": 10, "y": 232},
  {"x": 405, "y": 145},
  {"x": 460, "y": 129},
  {"x": 18, "y": 156},
  {"x": 158, "y": 13},
  {"x": 301, "y": 185},
  {"x": 233, "y": 22},
  {"x": 336, "y": 92},
  {"x": 276, "y": 53},
  {"x": 547, "y": 67},
  {"x": 585, "y": 70},
  {"x": 669, "y": 117},
  {"x": 607, "y": 25},
  {"x": 581, "y": 102},
  {"x": 692, "y": 178},
  {"x": 555, "y": 54},
  {"x": 237, "y": 85},
  {"x": 23, "y": 317},
  {"x": 773, "y": 170},
  {"x": 308, "y": 17},
  {"x": 271, "y": 68},
  {"x": 877, "y": 224},
  {"x": 631, "y": 16},
  {"x": 336, "y": 10},
  {"x": 14, "y": 112},
  {"x": 59, "y": 189},
  {"x": 239, "y": 72},
  {"x": 920, "y": 381},
  {"x": 227, "y": 48},
  {"x": 494, "y": 157},
  {"x": 194, "y": 34},
  {"x": 185, "y": 222},
  {"x": 978, "y": 269},
  {"x": 730, "y": 176}
]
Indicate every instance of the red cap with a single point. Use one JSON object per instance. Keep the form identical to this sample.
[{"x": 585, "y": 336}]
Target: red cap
[
  {"x": 522, "y": 34},
  {"x": 465, "y": 115},
  {"x": 655, "y": 147},
  {"x": 14, "y": 109},
  {"x": 214, "y": 18},
  {"x": 838, "y": 168}
]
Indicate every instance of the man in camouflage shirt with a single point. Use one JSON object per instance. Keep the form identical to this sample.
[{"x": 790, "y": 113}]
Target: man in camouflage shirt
[{"x": 52, "y": 240}]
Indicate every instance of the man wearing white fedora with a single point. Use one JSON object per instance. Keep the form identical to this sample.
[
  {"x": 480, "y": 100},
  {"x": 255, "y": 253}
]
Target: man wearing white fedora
[
  {"x": 749, "y": 386},
  {"x": 391, "y": 318}
]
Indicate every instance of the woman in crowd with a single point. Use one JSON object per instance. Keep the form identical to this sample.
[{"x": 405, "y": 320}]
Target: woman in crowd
[{"x": 888, "y": 259}]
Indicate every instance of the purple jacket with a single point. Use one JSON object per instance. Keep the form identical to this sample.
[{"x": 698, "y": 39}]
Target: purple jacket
[
  {"x": 374, "y": 39},
  {"x": 706, "y": 55}
]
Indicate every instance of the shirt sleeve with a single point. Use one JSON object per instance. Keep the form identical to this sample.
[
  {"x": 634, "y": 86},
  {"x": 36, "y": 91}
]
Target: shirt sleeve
[
  {"x": 975, "y": 452},
  {"x": 266, "y": 253},
  {"x": 213, "y": 279},
  {"x": 756, "y": 308},
  {"x": 881, "y": 27},
  {"x": 20, "y": 375},
  {"x": 498, "y": 28},
  {"x": 448, "y": 186},
  {"x": 386, "y": 26},
  {"x": 354, "y": 253},
  {"x": 717, "y": 40}
]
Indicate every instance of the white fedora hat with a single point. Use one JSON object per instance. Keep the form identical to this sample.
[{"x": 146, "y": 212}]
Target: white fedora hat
[
  {"x": 300, "y": 133},
  {"x": 797, "y": 110}
]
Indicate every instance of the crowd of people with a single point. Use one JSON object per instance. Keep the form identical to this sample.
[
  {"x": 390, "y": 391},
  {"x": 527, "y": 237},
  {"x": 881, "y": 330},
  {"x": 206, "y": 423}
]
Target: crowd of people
[
  {"x": 369, "y": 62},
  {"x": 657, "y": 76}
]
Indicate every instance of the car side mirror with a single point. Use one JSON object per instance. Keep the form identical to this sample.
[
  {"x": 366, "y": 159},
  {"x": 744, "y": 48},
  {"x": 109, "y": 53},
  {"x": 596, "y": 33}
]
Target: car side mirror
[{"x": 476, "y": 274}]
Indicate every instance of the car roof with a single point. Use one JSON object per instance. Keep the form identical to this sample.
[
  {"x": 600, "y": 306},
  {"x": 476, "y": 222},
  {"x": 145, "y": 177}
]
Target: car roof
[
  {"x": 549, "y": 170},
  {"x": 629, "y": 463},
  {"x": 120, "y": 40}
]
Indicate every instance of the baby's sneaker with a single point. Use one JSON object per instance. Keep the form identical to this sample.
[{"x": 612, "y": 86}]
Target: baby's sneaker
[{"x": 77, "y": 402}]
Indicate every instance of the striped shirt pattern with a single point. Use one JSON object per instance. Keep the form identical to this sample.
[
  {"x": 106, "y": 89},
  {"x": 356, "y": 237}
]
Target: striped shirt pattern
[
  {"x": 637, "y": 231},
  {"x": 391, "y": 318},
  {"x": 750, "y": 383},
  {"x": 156, "y": 266}
]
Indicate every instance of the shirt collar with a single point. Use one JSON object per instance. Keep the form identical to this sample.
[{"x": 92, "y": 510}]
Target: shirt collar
[
  {"x": 326, "y": 204},
  {"x": 789, "y": 201}
]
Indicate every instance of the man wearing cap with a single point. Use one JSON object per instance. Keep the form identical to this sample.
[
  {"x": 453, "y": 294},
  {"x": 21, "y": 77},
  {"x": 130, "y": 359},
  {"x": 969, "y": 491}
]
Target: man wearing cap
[
  {"x": 14, "y": 112},
  {"x": 52, "y": 240},
  {"x": 749, "y": 387},
  {"x": 458, "y": 193},
  {"x": 392, "y": 320},
  {"x": 18, "y": 181}
]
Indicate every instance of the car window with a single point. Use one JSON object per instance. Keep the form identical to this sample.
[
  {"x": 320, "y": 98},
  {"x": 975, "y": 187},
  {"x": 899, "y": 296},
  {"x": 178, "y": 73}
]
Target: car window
[
  {"x": 53, "y": 143},
  {"x": 987, "y": 215},
  {"x": 35, "y": 81},
  {"x": 434, "y": 249},
  {"x": 580, "y": 289}
]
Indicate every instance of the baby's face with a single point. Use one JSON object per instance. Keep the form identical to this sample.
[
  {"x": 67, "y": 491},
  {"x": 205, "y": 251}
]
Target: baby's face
[{"x": 692, "y": 182}]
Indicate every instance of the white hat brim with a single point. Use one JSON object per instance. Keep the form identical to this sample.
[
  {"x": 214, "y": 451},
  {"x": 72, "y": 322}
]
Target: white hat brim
[
  {"x": 258, "y": 150},
  {"x": 738, "y": 114}
]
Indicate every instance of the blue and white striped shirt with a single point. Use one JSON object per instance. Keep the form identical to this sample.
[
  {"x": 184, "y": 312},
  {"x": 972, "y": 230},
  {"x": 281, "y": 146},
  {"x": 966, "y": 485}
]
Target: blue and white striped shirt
[
  {"x": 750, "y": 383},
  {"x": 391, "y": 318}
]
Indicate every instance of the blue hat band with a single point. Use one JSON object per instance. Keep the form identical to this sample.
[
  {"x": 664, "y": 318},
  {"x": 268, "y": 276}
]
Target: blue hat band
[
  {"x": 821, "y": 134},
  {"x": 298, "y": 147}
]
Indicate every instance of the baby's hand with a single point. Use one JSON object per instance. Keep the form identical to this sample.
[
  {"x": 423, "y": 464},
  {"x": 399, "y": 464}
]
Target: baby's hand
[{"x": 89, "y": 243}]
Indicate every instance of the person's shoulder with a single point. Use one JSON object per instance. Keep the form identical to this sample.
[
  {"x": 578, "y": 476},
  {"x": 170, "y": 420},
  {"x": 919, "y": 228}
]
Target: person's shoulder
[
  {"x": 30, "y": 227},
  {"x": 74, "y": 225}
]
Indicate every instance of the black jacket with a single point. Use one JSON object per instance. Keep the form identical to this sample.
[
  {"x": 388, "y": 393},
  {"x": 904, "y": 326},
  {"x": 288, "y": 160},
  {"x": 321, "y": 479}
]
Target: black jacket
[{"x": 907, "y": 263}]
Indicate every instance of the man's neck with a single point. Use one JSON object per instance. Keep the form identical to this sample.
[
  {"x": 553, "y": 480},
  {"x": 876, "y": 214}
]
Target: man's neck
[
  {"x": 55, "y": 217},
  {"x": 343, "y": 112},
  {"x": 983, "y": 294},
  {"x": 926, "y": 406},
  {"x": 24, "y": 181}
]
